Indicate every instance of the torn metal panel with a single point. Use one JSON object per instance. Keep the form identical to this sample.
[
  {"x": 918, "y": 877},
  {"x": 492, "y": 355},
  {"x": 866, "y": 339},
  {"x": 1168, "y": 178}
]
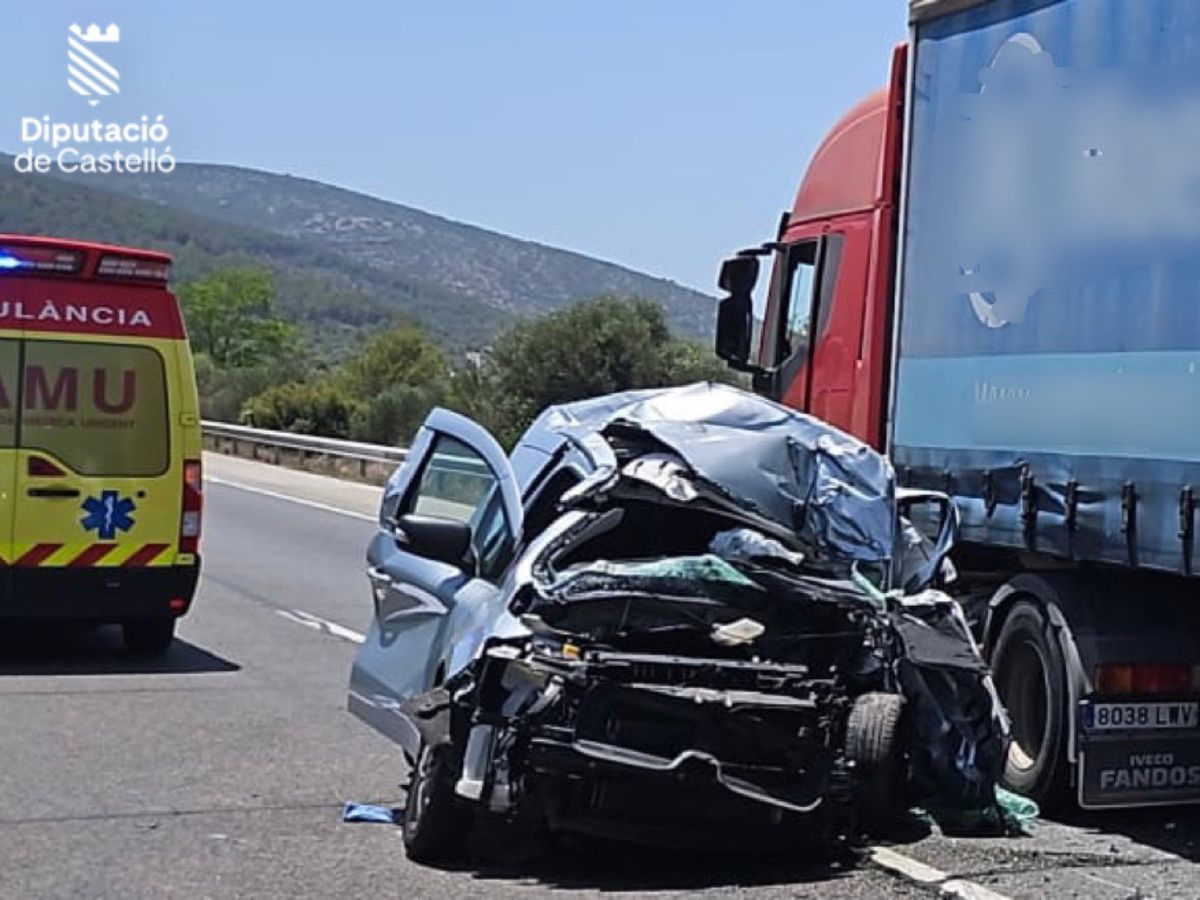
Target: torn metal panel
[{"x": 831, "y": 490}]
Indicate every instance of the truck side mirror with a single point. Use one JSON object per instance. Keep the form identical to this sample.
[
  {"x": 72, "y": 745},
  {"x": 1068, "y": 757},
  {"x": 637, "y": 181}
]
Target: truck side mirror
[{"x": 735, "y": 313}]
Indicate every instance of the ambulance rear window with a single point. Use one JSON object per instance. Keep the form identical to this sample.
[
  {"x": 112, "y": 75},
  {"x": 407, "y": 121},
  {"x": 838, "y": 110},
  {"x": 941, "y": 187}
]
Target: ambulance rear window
[{"x": 100, "y": 408}]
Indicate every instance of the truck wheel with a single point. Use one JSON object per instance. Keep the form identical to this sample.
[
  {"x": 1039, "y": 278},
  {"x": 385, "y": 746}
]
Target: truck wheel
[
  {"x": 1031, "y": 680},
  {"x": 873, "y": 747},
  {"x": 150, "y": 637},
  {"x": 436, "y": 823}
]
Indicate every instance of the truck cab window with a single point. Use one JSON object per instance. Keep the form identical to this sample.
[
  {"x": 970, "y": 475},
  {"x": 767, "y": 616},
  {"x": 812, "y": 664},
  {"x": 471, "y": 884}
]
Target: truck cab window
[{"x": 796, "y": 318}]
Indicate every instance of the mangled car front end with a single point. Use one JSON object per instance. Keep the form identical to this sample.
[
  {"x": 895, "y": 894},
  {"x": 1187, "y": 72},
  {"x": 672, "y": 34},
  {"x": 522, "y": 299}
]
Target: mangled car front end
[
  {"x": 718, "y": 637},
  {"x": 670, "y": 700}
]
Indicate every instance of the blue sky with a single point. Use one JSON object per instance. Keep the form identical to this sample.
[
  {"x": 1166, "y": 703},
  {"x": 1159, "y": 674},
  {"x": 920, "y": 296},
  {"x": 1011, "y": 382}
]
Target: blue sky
[{"x": 660, "y": 134}]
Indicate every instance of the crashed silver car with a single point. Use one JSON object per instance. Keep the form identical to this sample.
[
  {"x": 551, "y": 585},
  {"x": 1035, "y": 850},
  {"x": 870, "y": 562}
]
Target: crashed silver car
[{"x": 668, "y": 615}]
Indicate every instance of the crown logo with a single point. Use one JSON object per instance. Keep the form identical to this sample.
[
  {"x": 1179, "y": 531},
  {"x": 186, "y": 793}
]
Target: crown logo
[
  {"x": 93, "y": 35},
  {"x": 89, "y": 74}
]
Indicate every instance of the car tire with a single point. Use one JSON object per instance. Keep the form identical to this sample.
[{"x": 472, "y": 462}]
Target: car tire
[
  {"x": 1031, "y": 679},
  {"x": 872, "y": 744},
  {"x": 436, "y": 822},
  {"x": 148, "y": 637}
]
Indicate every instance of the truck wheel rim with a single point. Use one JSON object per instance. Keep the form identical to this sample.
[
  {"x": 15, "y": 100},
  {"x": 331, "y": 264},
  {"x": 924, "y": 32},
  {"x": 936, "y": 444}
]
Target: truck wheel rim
[{"x": 1024, "y": 690}]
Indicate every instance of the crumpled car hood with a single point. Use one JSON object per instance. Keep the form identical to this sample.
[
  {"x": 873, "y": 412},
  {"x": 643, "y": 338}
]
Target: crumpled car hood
[{"x": 830, "y": 489}]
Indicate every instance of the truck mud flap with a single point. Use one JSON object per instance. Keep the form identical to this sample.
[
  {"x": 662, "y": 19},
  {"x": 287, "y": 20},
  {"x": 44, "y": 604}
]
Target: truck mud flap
[{"x": 1137, "y": 768}]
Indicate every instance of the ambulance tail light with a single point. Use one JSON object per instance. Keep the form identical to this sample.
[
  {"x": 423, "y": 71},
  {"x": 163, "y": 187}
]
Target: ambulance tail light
[
  {"x": 189, "y": 518},
  {"x": 1127, "y": 679},
  {"x": 130, "y": 267}
]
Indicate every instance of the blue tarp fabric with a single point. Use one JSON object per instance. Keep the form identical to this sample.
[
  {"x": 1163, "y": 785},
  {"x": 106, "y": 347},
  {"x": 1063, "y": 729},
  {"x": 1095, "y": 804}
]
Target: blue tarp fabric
[{"x": 365, "y": 812}]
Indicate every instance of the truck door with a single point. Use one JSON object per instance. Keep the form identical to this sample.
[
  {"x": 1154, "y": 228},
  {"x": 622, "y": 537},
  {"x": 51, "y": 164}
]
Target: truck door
[
  {"x": 837, "y": 387},
  {"x": 787, "y": 342},
  {"x": 815, "y": 324}
]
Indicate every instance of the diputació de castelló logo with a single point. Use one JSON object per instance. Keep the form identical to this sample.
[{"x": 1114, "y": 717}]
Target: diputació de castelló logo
[{"x": 137, "y": 145}]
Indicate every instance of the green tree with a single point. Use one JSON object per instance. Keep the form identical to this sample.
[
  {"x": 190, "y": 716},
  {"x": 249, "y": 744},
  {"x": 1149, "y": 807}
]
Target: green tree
[
  {"x": 393, "y": 417},
  {"x": 400, "y": 356},
  {"x": 379, "y": 395},
  {"x": 604, "y": 345},
  {"x": 231, "y": 320},
  {"x": 303, "y": 407},
  {"x": 383, "y": 393},
  {"x": 685, "y": 362},
  {"x": 224, "y": 392}
]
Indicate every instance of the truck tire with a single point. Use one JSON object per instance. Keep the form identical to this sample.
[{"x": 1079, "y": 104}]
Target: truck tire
[
  {"x": 1031, "y": 679},
  {"x": 436, "y": 822},
  {"x": 872, "y": 744},
  {"x": 148, "y": 637}
]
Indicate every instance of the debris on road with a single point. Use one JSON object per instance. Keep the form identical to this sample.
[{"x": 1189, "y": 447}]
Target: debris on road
[
  {"x": 1022, "y": 811},
  {"x": 366, "y": 812},
  {"x": 1010, "y": 816}
]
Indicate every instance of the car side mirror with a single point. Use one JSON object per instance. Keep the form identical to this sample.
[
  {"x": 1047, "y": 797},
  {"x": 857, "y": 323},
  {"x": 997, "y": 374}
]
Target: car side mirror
[
  {"x": 444, "y": 540},
  {"x": 735, "y": 313}
]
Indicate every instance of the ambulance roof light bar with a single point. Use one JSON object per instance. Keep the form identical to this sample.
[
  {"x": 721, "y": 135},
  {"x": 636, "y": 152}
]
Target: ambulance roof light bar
[
  {"x": 131, "y": 267},
  {"x": 40, "y": 259}
]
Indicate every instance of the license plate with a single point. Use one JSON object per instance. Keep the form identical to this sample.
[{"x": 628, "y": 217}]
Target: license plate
[{"x": 1140, "y": 716}]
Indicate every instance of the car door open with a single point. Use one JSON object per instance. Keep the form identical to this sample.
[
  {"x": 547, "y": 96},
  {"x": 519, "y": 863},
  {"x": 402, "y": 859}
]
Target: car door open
[{"x": 450, "y": 519}]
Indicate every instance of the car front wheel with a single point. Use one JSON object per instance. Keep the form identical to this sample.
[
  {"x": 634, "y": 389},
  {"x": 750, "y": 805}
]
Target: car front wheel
[
  {"x": 436, "y": 822},
  {"x": 872, "y": 745}
]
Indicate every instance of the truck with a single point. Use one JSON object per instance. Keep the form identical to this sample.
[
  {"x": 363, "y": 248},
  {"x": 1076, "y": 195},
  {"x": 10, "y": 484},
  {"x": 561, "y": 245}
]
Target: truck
[{"x": 991, "y": 272}]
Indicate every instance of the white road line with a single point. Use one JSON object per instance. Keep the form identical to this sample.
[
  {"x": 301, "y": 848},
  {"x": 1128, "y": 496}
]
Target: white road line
[
  {"x": 324, "y": 507},
  {"x": 1124, "y": 888},
  {"x": 316, "y": 623},
  {"x": 915, "y": 870}
]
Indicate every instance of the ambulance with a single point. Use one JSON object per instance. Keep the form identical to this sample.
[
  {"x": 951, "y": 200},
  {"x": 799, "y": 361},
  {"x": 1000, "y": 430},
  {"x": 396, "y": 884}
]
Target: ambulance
[{"x": 100, "y": 484}]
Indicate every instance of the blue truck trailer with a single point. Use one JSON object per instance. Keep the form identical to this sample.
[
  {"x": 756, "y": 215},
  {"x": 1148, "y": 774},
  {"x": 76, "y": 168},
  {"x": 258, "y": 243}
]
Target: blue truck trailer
[{"x": 992, "y": 271}]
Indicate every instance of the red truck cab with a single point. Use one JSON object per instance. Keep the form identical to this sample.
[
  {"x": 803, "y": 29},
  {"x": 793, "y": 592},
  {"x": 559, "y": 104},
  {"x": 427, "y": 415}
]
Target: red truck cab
[{"x": 825, "y": 344}]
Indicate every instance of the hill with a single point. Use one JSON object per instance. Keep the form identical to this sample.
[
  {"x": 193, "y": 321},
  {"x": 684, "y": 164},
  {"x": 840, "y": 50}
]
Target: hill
[
  {"x": 317, "y": 288},
  {"x": 345, "y": 261}
]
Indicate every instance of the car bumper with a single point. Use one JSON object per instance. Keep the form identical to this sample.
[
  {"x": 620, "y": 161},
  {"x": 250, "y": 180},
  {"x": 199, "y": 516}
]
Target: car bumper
[
  {"x": 657, "y": 765},
  {"x": 685, "y": 806},
  {"x": 97, "y": 594}
]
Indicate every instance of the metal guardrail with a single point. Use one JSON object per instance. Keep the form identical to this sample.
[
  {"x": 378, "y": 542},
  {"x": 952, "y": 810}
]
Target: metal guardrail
[
  {"x": 262, "y": 443},
  {"x": 369, "y": 462}
]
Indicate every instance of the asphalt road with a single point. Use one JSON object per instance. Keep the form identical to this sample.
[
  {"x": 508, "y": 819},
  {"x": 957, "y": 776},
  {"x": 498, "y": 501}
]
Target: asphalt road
[{"x": 221, "y": 770}]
